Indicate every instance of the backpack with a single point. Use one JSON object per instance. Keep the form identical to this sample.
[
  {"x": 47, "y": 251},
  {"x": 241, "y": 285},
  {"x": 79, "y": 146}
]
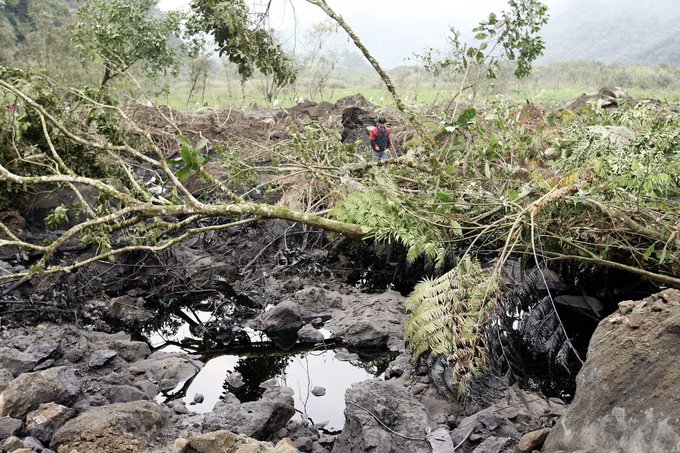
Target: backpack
[{"x": 382, "y": 138}]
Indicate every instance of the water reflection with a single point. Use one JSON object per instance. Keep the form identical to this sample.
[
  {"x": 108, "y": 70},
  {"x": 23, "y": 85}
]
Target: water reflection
[{"x": 301, "y": 372}]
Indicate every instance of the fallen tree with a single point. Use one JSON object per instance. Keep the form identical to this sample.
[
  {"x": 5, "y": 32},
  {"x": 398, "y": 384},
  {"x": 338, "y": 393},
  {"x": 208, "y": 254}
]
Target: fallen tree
[{"x": 598, "y": 188}]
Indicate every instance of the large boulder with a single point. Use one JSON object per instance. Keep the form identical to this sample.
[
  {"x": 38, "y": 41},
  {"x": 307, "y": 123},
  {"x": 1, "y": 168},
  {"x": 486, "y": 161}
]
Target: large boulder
[
  {"x": 28, "y": 391},
  {"x": 115, "y": 427},
  {"x": 397, "y": 410},
  {"x": 627, "y": 394}
]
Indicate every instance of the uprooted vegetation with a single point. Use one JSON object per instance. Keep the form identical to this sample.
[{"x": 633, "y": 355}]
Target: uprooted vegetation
[{"x": 597, "y": 189}]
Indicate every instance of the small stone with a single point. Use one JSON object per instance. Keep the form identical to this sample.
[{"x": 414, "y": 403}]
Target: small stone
[
  {"x": 235, "y": 380},
  {"x": 346, "y": 356},
  {"x": 419, "y": 388},
  {"x": 318, "y": 391},
  {"x": 327, "y": 440},
  {"x": 303, "y": 444},
  {"x": 43, "y": 422},
  {"x": 393, "y": 372},
  {"x": 309, "y": 334},
  {"x": 178, "y": 407},
  {"x": 269, "y": 383},
  {"x": 33, "y": 443},
  {"x": 126, "y": 394},
  {"x": 5, "y": 378},
  {"x": 627, "y": 306},
  {"x": 49, "y": 363},
  {"x": 12, "y": 443},
  {"x": 8, "y": 427},
  {"x": 101, "y": 357},
  {"x": 532, "y": 441},
  {"x": 44, "y": 349},
  {"x": 198, "y": 398}
]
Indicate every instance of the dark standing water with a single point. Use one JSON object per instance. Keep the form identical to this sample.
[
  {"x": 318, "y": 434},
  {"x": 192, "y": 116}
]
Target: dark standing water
[{"x": 301, "y": 368}]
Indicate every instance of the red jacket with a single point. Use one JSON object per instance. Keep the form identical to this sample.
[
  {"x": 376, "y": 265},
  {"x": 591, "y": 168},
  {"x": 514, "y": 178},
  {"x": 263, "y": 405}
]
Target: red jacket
[{"x": 380, "y": 137}]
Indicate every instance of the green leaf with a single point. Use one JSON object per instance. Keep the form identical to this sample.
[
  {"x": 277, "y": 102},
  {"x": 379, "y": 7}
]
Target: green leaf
[
  {"x": 648, "y": 252},
  {"x": 487, "y": 170},
  {"x": 183, "y": 173},
  {"x": 201, "y": 144},
  {"x": 446, "y": 198},
  {"x": 466, "y": 117},
  {"x": 457, "y": 229}
]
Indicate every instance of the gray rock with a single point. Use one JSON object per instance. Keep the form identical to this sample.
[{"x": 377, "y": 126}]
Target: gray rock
[
  {"x": 365, "y": 334},
  {"x": 13, "y": 444},
  {"x": 167, "y": 369},
  {"x": 284, "y": 317},
  {"x": 198, "y": 398},
  {"x": 532, "y": 440},
  {"x": 343, "y": 356},
  {"x": 102, "y": 427},
  {"x": 394, "y": 406},
  {"x": 494, "y": 445},
  {"x": 45, "y": 364},
  {"x": 225, "y": 441},
  {"x": 33, "y": 444},
  {"x": 17, "y": 362},
  {"x": 627, "y": 391},
  {"x": 303, "y": 444},
  {"x": 440, "y": 441},
  {"x": 149, "y": 388},
  {"x": 128, "y": 311},
  {"x": 178, "y": 407},
  {"x": 309, "y": 334},
  {"x": 44, "y": 349},
  {"x": 8, "y": 427},
  {"x": 318, "y": 391},
  {"x": 126, "y": 394},
  {"x": 101, "y": 357},
  {"x": 235, "y": 380},
  {"x": 258, "y": 419},
  {"x": 5, "y": 378},
  {"x": 318, "y": 448},
  {"x": 28, "y": 391},
  {"x": 43, "y": 422},
  {"x": 132, "y": 351},
  {"x": 73, "y": 343}
]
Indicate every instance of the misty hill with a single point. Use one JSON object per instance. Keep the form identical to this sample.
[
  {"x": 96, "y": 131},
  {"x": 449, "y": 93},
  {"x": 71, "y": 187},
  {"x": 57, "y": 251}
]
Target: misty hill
[{"x": 612, "y": 31}]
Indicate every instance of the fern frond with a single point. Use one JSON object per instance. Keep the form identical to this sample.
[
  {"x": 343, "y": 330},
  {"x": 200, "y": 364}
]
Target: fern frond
[{"x": 449, "y": 315}]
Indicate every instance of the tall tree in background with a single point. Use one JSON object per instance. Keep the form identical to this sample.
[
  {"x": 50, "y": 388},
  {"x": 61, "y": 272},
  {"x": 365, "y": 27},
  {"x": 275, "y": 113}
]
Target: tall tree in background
[
  {"x": 120, "y": 34},
  {"x": 242, "y": 36}
]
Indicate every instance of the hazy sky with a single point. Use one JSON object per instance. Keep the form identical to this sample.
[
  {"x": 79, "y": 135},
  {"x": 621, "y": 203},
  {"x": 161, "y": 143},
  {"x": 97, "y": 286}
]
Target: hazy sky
[{"x": 391, "y": 29}]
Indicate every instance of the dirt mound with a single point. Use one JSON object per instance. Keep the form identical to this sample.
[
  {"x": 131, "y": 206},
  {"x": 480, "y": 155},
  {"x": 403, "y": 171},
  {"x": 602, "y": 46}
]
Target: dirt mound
[
  {"x": 604, "y": 98},
  {"x": 311, "y": 111},
  {"x": 356, "y": 124}
]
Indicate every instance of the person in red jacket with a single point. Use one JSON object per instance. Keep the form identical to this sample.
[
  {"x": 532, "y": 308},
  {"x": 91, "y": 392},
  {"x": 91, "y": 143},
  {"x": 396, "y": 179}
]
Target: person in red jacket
[{"x": 380, "y": 140}]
